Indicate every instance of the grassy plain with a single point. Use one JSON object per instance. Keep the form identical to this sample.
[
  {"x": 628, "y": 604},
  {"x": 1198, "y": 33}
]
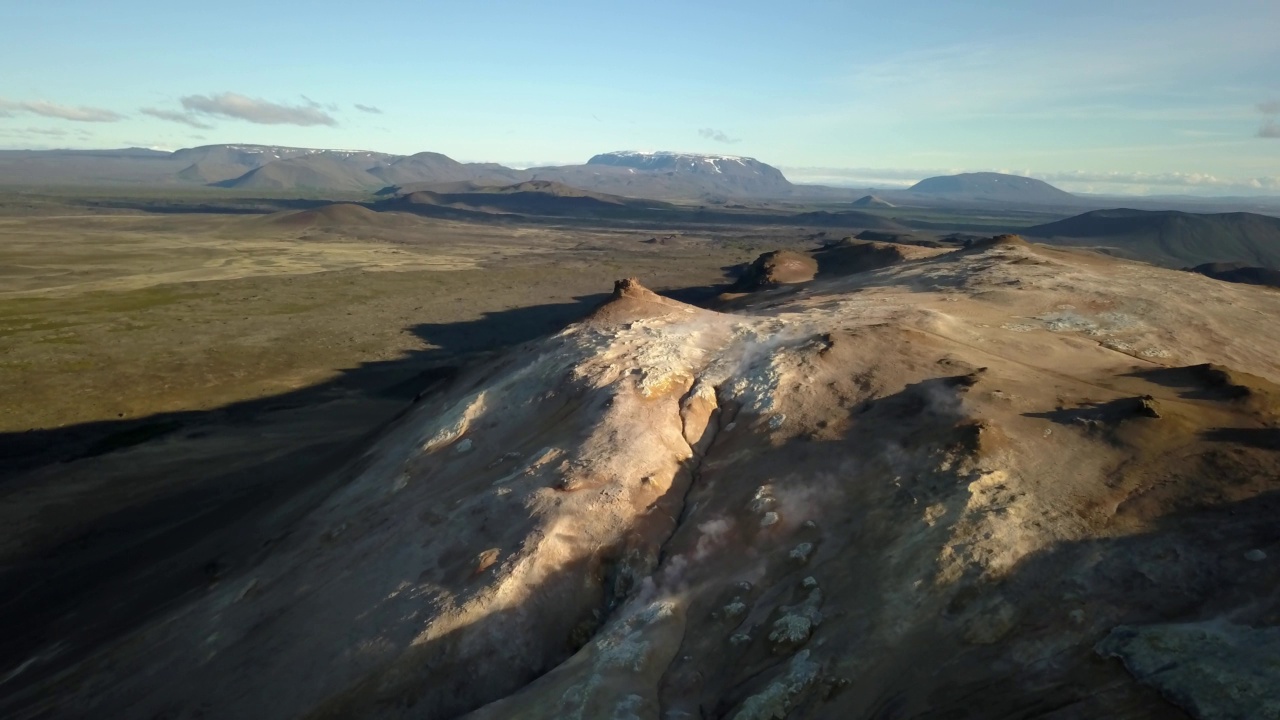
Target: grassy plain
[{"x": 110, "y": 315}]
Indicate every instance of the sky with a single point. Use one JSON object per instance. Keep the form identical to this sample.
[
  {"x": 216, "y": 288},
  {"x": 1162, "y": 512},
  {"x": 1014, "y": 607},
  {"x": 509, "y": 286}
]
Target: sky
[{"x": 1122, "y": 96}]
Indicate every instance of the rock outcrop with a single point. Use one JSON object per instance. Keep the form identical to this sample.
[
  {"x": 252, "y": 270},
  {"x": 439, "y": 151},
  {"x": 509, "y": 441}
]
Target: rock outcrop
[{"x": 777, "y": 267}]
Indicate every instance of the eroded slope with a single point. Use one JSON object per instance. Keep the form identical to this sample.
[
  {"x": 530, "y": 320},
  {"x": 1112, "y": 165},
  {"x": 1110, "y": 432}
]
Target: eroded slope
[{"x": 925, "y": 490}]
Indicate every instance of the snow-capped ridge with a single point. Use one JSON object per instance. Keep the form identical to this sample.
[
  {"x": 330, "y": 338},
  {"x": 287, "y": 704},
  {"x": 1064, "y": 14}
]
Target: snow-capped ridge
[
  {"x": 670, "y": 161},
  {"x": 675, "y": 154}
]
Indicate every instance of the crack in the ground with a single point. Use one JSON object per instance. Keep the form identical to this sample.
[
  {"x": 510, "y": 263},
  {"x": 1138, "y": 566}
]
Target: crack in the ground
[{"x": 694, "y": 464}]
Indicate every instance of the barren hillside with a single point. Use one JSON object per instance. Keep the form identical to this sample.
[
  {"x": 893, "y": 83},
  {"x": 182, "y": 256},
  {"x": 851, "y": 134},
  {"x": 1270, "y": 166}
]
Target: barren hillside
[{"x": 1007, "y": 481}]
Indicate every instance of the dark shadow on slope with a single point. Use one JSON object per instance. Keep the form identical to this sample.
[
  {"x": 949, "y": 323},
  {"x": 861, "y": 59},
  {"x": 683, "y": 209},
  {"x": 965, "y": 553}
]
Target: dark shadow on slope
[
  {"x": 592, "y": 215},
  {"x": 220, "y": 488},
  {"x": 1261, "y": 438},
  {"x": 393, "y": 379},
  {"x": 1187, "y": 566},
  {"x": 1022, "y": 645},
  {"x": 213, "y": 205},
  {"x": 1198, "y": 382},
  {"x": 1097, "y": 414}
]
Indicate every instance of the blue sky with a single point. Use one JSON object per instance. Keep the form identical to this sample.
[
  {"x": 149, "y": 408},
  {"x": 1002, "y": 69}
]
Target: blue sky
[{"x": 1118, "y": 96}]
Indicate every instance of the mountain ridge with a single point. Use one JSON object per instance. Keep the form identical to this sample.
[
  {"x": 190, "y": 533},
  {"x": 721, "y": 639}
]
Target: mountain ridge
[
  {"x": 1171, "y": 237},
  {"x": 655, "y": 175}
]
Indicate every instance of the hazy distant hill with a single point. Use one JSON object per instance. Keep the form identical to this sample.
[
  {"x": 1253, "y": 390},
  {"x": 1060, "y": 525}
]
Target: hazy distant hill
[
  {"x": 545, "y": 198},
  {"x": 430, "y": 167},
  {"x": 319, "y": 171},
  {"x": 537, "y": 197},
  {"x": 1172, "y": 238},
  {"x": 126, "y": 166},
  {"x": 993, "y": 186},
  {"x": 872, "y": 201},
  {"x": 341, "y": 216},
  {"x": 245, "y": 156}
]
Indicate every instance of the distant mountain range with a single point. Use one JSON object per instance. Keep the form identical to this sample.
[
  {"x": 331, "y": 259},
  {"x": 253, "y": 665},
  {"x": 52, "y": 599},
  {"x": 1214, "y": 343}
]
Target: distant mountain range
[
  {"x": 728, "y": 181},
  {"x": 658, "y": 175},
  {"x": 713, "y": 179},
  {"x": 1171, "y": 238}
]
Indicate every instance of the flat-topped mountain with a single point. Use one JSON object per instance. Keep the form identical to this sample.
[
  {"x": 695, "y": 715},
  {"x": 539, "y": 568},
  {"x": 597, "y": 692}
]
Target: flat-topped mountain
[
  {"x": 688, "y": 162},
  {"x": 993, "y": 186},
  {"x": 672, "y": 175}
]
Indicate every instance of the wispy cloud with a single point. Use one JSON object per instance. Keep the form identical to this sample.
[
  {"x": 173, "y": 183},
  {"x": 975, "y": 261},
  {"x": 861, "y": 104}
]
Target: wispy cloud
[
  {"x": 1270, "y": 127},
  {"x": 1167, "y": 179},
  {"x": 1189, "y": 132},
  {"x": 255, "y": 110},
  {"x": 1102, "y": 70},
  {"x": 319, "y": 106},
  {"x": 178, "y": 117},
  {"x": 38, "y": 138},
  {"x": 717, "y": 135},
  {"x": 9, "y": 108},
  {"x": 368, "y": 109},
  {"x": 48, "y": 132}
]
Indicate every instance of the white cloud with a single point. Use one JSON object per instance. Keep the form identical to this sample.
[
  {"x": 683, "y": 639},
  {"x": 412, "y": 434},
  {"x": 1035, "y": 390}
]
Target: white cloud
[
  {"x": 717, "y": 136},
  {"x": 1270, "y": 128},
  {"x": 317, "y": 105},
  {"x": 1080, "y": 72},
  {"x": 368, "y": 109},
  {"x": 8, "y": 108},
  {"x": 173, "y": 116},
  {"x": 254, "y": 110},
  {"x": 1165, "y": 181}
]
